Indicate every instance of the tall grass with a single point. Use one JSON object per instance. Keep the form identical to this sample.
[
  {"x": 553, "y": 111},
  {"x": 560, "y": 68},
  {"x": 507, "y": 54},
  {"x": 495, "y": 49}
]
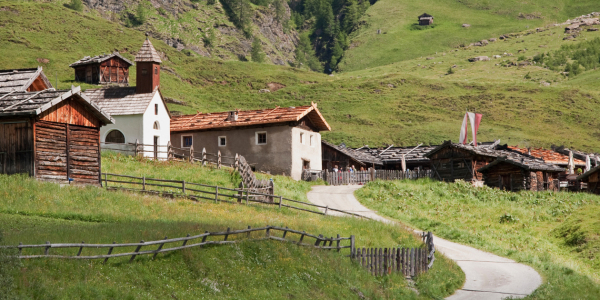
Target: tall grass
[{"x": 537, "y": 234}]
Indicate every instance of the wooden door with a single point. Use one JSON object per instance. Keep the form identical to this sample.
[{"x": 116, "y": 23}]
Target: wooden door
[{"x": 16, "y": 147}]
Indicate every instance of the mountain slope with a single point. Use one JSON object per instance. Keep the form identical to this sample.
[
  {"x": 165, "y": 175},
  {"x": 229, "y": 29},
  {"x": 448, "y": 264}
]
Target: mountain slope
[{"x": 400, "y": 40}]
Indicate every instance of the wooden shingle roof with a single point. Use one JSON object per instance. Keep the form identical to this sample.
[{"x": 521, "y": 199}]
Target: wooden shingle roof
[
  {"x": 98, "y": 59},
  {"x": 425, "y": 16},
  {"x": 34, "y": 103},
  {"x": 527, "y": 163},
  {"x": 20, "y": 79},
  {"x": 588, "y": 173},
  {"x": 394, "y": 154},
  {"x": 147, "y": 53},
  {"x": 481, "y": 149},
  {"x": 206, "y": 121},
  {"x": 359, "y": 156},
  {"x": 120, "y": 100}
]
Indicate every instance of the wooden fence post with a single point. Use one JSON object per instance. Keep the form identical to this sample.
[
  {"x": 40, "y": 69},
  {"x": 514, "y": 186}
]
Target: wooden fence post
[
  {"x": 109, "y": 252},
  {"x": 78, "y": 253},
  {"x": 204, "y": 156},
  {"x": 192, "y": 153},
  {"x": 285, "y": 232},
  {"x": 352, "y": 247},
  {"x": 185, "y": 241},
  {"x": 143, "y": 183},
  {"x": 137, "y": 143},
  {"x": 159, "y": 247},
  {"x": 204, "y": 237},
  {"x": 105, "y": 180},
  {"x": 337, "y": 244},
  {"x": 169, "y": 151},
  {"x": 227, "y": 234},
  {"x": 326, "y": 209},
  {"x": 183, "y": 186},
  {"x": 301, "y": 237},
  {"x": 271, "y": 190},
  {"x": 280, "y": 200},
  {"x": 236, "y": 163},
  {"x": 219, "y": 159},
  {"x": 137, "y": 249},
  {"x": 47, "y": 248},
  {"x": 249, "y": 232},
  {"x": 318, "y": 240},
  {"x": 216, "y": 193}
]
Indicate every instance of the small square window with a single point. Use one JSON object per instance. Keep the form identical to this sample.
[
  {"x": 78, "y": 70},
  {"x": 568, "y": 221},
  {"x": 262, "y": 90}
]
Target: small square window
[
  {"x": 187, "y": 141},
  {"x": 261, "y": 138},
  {"x": 222, "y": 141},
  {"x": 302, "y": 138},
  {"x": 156, "y": 109}
]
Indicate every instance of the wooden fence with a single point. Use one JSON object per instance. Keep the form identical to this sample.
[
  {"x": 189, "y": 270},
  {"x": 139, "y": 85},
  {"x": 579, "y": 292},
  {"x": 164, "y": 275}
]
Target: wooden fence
[
  {"x": 409, "y": 262},
  {"x": 197, "y": 191},
  {"x": 199, "y": 240},
  {"x": 362, "y": 177}
]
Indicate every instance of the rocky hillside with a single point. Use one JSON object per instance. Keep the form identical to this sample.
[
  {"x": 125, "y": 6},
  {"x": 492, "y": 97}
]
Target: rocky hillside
[{"x": 202, "y": 27}]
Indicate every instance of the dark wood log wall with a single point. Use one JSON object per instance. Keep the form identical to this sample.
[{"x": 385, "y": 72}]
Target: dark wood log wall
[
  {"x": 51, "y": 150},
  {"x": 507, "y": 177},
  {"x": 16, "y": 146},
  {"x": 332, "y": 157},
  {"x": 451, "y": 164},
  {"x": 84, "y": 154},
  {"x": 114, "y": 70}
]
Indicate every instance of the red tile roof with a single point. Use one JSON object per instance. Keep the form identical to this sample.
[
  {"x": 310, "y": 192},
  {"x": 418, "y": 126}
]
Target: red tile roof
[
  {"x": 205, "y": 121},
  {"x": 549, "y": 156}
]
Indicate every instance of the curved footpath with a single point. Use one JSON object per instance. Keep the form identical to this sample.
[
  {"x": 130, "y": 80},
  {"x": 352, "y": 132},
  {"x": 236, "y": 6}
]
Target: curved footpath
[{"x": 488, "y": 276}]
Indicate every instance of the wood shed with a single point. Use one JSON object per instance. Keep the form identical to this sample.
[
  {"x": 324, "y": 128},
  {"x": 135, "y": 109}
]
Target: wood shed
[
  {"x": 51, "y": 135},
  {"x": 592, "y": 178},
  {"x": 391, "y": 157},
  {"x": 425, "y": 19},
  {"x": 344, "y": 157},
  {"x": 518, "y": 172},
  {"x": 103, "y": 69},
  {"x": 451, "y": 161},
  {"x": 29, "y": 80}
]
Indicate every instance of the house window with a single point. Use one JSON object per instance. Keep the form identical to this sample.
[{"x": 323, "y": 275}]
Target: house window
[
  {"x": 144, "y": 71},
  {"x": 115, "y": 136},
  {"x": 222, "y": 141},
  {"x": 156, "y": 126},
  {"x": 187, "y": 141},
  {"x": 311, "y": 140},
  {"x": 261, "y": 138},
  {"x": 155, "y": 70},
  {"x": 302, "y": 138},
  {"x": 155, "y": 109}
]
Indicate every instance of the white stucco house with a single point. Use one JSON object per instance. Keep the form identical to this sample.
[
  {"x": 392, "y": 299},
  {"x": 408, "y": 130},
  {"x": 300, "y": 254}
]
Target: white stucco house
[{"x": 140, "y": 113}]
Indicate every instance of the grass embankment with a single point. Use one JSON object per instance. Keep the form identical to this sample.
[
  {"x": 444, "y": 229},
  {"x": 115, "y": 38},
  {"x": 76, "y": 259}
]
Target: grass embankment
[
  {"x": 36, "y": 212},
  {"x": 556, "y": 233},
  {"x": 412, "y": 103}
]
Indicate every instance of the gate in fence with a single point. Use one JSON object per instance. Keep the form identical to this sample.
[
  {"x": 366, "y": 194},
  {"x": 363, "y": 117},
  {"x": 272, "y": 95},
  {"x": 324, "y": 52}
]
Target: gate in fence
[
  {"x": 362, "y": 177},
  {"x": 409, "y": 262}
]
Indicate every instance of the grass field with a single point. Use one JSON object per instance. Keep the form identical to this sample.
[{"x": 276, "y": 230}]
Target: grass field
[
  {"x": 36, "y": 212},
  {"x": 400, "y": 41},
  {"x": 556, "y": 233}
]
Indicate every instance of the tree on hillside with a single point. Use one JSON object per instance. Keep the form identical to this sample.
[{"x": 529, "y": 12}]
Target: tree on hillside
[
  {"x": 280, "y": 13},
  {"x": 240, "y": 13},
  {"x": 256, "y": 52},
  {"x": 305, "y": 54}
]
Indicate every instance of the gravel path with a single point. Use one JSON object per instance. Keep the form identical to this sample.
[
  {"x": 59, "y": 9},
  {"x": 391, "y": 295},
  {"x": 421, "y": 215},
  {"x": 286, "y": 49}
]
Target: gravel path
[{"x": 488, "y": 276}]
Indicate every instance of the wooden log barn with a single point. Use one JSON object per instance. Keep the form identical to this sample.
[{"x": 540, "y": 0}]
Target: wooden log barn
[
  {"x": 592, "y": 178},
  {"x": 103, "y": 69},
  {"x": 344, "y": 157},
  {"x": 517, "y": 172},
  {"x": 451, "y": 161},
  {"x": 51, "y": 135},
  {"x": 29, "y": 80},
  {"x": 425, "y": 19}
]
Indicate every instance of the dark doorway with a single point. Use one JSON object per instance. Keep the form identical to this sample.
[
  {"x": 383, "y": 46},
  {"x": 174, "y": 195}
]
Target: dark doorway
[
  {"x": 306, "y": 164},
  {"x": 155, "y": 147}
]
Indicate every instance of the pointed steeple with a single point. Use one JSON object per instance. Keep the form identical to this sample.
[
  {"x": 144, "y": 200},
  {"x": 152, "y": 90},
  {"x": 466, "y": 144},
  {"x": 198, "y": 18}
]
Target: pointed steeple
[
  {"x": 147, "y": 68},
  {"x": 147, "y": 53}
]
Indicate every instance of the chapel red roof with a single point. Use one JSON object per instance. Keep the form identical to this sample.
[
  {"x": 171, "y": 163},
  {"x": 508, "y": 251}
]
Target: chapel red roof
[{"x": 203, "y": 121}]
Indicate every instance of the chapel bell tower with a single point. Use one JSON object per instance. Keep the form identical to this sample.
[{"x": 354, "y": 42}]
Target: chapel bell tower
[{"x": 147, "y": 68}]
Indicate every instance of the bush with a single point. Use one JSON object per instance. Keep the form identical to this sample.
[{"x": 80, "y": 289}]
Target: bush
[
  {"x": 508, "y": 218},
  {"x": 450, "y": 71},
  {"x": 75, "y": 5}
]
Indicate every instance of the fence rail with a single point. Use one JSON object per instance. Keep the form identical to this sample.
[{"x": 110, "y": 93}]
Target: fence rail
[
  {"x": 409, "y": 262},
  {"x": 197, "y": 191},
  {"x": 362, "y": 177},
  {"x": 321, "y": 242}
]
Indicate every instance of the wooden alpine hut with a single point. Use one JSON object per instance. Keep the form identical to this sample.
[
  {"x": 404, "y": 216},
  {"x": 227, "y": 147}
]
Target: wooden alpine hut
[
  {"x": 425, "y": 19},
  {"x": 517, "y": 172},
  {"x": 592, "y": 178},
  {"x": 51, "y": 135},
  {"x": 103, "y": 69},
  {"x": 29, "y": 80}
]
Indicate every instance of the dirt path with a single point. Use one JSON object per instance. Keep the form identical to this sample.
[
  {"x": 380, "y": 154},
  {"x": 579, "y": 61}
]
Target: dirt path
[{"x": 488, "y": 276}]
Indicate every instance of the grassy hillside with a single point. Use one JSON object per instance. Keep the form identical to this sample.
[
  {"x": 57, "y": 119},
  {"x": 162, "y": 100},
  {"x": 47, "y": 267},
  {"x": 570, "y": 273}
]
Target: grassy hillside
[
  {"x": 400, "y": 40},
  {"x": 35, "y": 212},
  {"x": 404, "y": 103},
  {"x": 556, "y": 233}
]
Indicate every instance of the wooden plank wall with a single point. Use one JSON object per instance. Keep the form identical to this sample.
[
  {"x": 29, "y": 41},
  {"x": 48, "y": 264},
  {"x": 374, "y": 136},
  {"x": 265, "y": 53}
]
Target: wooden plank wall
[
  {"x": 51, "y": 150},
  {"x": 16, "y": 146},
  {"x": 114, "y": 70},
  {"x": 84, "y": 154},
  {"x": 70, "y": 112}
]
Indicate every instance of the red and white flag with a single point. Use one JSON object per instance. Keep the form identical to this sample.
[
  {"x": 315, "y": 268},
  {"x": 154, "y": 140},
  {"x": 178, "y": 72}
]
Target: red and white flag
[{"x": 475, "y": 120}]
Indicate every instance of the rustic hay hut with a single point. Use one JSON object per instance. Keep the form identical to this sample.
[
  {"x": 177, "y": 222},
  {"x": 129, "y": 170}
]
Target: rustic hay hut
[
  {"x": 103, "y": 69},
  {"x": 517, "y": 172}
]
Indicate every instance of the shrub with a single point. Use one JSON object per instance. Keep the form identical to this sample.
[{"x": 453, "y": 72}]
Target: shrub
[
  {"x": 508, "y": 218},
  {"x": 75, "y": 5},
  {"x": 450, "y": 71}
]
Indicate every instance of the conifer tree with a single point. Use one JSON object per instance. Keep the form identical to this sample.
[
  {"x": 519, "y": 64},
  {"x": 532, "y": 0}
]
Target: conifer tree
[{"x": 256, "y": 52}]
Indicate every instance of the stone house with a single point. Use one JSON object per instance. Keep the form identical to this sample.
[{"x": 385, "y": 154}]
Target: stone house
[
  {"x": 280, "y": 140},
  {"x": 141, "y": 114}
]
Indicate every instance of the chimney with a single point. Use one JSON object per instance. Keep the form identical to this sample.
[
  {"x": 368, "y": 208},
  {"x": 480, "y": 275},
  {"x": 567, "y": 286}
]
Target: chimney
[
  {"x": 147, "y": 68},
  {"x": 232, "y": 116}
]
